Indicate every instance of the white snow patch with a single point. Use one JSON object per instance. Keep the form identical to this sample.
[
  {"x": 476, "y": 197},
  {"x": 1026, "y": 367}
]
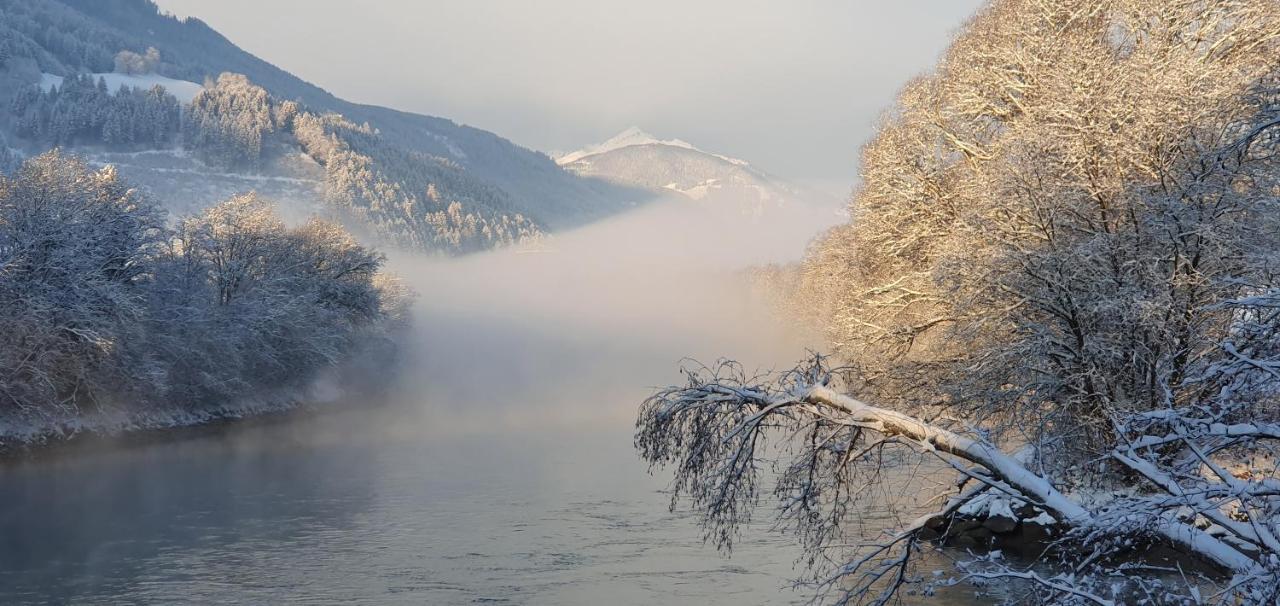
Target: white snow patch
[
  {"x": 201, "y": 169},
  {"x": 453, "y": 148},
  {"x": 1044, "y": 519},
  {"x": 999, "y": 508},
  {"x": 976, "y": 507},
  {"x": 173, "y": 152},
  {"x": 735, "y": 161},
  {"x": 183, "y": 90},
  {"x": 697, "y": 192}
]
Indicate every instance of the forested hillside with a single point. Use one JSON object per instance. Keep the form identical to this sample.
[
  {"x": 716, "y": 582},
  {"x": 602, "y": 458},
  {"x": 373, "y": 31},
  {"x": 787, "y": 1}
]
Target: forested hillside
[
  {"x": 85, "y": 111},
  {"x": 417, "y": 181}
]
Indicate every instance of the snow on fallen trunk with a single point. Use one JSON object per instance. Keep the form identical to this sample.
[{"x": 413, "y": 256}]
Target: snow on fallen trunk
[
  {"x": 1004, "y": 467},
  {"x": 835, "y": 452}
]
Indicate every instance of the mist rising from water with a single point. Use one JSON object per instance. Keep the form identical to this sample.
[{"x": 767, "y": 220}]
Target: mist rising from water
[
  {"x": 578, "y": 333},
  {"x": 502, "y": 469}
]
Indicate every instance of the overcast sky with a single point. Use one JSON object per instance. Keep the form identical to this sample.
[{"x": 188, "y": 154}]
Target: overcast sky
[{"x": 794, "y": 86}]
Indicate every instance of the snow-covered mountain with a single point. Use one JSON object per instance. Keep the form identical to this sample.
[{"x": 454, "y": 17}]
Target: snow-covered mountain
[
  {"x": 635, "y": 158},
  {"x": 627, "y": 138},
  {"x": 401, "y": 179}
]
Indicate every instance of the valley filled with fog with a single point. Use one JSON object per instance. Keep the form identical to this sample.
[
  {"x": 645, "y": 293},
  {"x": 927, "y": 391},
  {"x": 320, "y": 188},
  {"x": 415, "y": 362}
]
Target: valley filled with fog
[
  {"x": 938, "y": 302},
  {"x": 498, "y": 469}
]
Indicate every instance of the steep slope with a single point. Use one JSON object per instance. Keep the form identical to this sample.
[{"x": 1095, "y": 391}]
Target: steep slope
[
  {"x": 45, "y": 39},
  {"x": 635, "y": 158}
]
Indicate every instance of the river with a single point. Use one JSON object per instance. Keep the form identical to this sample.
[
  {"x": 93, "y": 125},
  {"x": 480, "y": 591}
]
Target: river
[{"x": 500, "y": 468}]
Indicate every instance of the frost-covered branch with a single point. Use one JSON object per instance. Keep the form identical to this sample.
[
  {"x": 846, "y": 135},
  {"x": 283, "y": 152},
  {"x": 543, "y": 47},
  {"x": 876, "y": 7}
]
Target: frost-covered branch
[{"x": 712, "y": 432}]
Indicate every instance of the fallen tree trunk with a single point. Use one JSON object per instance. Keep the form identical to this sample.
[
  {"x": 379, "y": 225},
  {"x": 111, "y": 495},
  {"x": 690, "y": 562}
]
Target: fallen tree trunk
[
  {"x": 712, "y": 431},
  {"x": 1027, "y": 483}
]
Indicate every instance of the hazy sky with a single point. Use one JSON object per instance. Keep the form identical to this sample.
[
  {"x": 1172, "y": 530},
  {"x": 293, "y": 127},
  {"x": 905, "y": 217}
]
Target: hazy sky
[{"x": 794, "y": 86}]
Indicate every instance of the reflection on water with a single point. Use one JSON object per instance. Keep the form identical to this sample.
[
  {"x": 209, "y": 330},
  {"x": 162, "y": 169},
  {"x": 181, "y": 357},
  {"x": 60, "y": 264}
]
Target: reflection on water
[
  {"x": 226, "y": 517},
  {"x": 500, "y": 471}
]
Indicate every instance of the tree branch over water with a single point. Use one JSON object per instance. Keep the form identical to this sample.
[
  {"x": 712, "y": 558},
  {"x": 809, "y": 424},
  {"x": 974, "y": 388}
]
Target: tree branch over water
[
  {"x": 713, "y": 430},
  {"x": 1059, "y": 281}
]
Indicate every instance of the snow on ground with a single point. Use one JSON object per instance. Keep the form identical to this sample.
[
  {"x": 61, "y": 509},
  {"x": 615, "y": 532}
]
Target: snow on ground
[
  {"x": 698, "y": 191},
  {"x": 183, "y": 90}
]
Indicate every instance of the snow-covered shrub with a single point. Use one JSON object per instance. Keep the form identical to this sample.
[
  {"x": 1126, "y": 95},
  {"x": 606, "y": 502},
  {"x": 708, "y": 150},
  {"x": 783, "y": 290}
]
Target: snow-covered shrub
[
  {"x": 263, "y": 304},
  {"x": 129, "y": 62},
  {"x": 101, "y": 304},
  {"x": 75, "y": 250}
]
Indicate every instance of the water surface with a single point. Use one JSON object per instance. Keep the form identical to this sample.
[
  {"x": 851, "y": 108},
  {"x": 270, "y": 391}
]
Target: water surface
[{"x": 499, "y": 469}]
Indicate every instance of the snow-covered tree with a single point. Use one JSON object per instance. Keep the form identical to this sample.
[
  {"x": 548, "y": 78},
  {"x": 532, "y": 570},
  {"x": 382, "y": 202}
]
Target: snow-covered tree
[
  {"x": 84, "y": 111},
  {"x": 1049, "y": 224},
  {"x": 271, "y": 304},
  {"x": 9, "y": 160},
  {"x": 228, "y": 121},
  {"x": 129, "y": 62},
  {"x": 101, "y": 304},
  {"x": 75, "y": 245},
  {"x": 1206, "y": 486},
  {"x": 1064, "y": 246},
  {"x": 240, "y": 241}
]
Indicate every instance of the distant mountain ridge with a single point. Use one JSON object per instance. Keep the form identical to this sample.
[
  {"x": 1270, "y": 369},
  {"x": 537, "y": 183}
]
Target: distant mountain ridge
[
  {"x": 492, "y": 179},
  {"x": 627, "y": 138},
  {"x": 635, "y": 158}
]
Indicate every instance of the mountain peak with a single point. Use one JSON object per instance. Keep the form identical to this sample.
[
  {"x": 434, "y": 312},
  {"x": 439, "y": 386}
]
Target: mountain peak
[
  {"x": 635, "y": 158},
  {"x": 627, "y": 138},
  {"x": 633, "y": 133}
]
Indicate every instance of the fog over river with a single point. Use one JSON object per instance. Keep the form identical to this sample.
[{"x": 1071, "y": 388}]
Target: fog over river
[{"x": 501, "y": 470}]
